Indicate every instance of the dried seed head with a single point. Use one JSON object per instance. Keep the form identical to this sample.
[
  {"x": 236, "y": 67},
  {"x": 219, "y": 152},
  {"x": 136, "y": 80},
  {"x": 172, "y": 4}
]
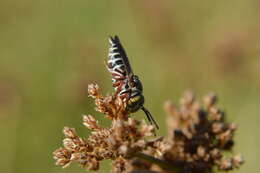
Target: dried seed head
[
  {"x": 196, "y": 138},
  {"x": 198, "y": 135}
]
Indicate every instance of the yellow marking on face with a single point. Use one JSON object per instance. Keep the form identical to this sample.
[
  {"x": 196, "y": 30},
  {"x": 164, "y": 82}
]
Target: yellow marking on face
[{"x": 135, "y": 99}]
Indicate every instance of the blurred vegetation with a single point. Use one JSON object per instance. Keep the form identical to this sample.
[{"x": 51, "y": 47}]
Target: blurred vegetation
[{"x": 51, "y": 49}]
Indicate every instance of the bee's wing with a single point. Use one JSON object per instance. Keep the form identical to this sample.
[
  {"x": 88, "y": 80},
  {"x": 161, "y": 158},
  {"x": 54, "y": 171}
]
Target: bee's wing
[{"x": 117, "y": 55}]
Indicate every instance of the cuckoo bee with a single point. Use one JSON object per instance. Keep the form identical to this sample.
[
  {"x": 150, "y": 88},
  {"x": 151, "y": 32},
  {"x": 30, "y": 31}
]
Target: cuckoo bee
[{"x": 127, "y": 85}]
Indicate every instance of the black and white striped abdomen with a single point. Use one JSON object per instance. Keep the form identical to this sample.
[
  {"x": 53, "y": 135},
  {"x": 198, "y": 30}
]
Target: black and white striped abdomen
[{"x": 115, "y": 63}]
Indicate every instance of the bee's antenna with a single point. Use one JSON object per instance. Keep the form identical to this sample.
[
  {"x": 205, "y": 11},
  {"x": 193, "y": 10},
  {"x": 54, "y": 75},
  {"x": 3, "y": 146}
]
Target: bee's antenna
[{"x": 150, "y": 117}]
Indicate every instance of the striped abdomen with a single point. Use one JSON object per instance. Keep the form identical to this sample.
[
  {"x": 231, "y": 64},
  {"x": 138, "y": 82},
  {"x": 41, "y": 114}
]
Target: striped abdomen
[{"x": 117, "y": 68}]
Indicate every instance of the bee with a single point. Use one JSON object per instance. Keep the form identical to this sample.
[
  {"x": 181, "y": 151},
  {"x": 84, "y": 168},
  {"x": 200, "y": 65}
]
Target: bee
[{"x": 127, "y": 85}]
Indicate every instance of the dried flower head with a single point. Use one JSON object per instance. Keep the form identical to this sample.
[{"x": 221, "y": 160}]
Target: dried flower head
[
  {"x": 197, "y": 137},
  {"x": 120, "y": 141}
]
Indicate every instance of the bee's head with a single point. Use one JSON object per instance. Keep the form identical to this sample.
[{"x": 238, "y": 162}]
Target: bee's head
[{"x": 137, "y": 83}]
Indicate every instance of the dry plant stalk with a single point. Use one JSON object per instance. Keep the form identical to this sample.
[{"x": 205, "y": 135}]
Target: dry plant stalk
[{"x": 197, "y": 136}]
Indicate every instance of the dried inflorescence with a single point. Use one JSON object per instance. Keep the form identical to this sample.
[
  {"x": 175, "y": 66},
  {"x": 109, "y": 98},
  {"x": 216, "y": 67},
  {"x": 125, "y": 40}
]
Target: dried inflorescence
[
  {"x": 197, "y": 136},
  {"x": 119, "y": 142}
]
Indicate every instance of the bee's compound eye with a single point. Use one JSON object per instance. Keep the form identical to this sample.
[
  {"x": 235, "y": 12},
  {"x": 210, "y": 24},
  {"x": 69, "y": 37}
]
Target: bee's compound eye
[
  {"x": 134, "y": 81},
  {"x": 132, "y": 84}
]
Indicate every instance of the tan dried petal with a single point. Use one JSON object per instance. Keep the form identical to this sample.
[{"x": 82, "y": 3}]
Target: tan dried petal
[
  {"x": 133, "y": 122},
  {"x": 237, "y": 160},
  {"x": 201, "y": 151},
  {"x": 93, "y": 90},
  {"x": 61, "y": 153},
  {"x": 120, "y": 129},
  {"x": 232, "y": 126},
  {"x": 169, "y": 108},
  {"x": 123, "y": 149},
  {"x": 226, "y": 165},
  {"x": 77, "y": 156},
  {"x": 225, "y": 137},
  {"x": 140, "y": 143},
  {"x": 215, "y": 113},
  {"x": 119, "y": 165},
  {"x": 69, "y": 132},
  {"x": 63, "y": 162},
  {"x": 70, "y": 145},
  {"x": 187, "y": 99},
  {"x": 209, "y": 100},
  {"x": 90, "y": 122},
  {"x": 217, "y": 127},
  {"x": 147, "y": 130},
  {"x": 92, "y": 164}
]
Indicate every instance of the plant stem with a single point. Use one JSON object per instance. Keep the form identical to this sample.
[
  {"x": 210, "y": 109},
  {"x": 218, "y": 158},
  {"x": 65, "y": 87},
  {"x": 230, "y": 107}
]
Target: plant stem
[{"x": 163, "y": 164}]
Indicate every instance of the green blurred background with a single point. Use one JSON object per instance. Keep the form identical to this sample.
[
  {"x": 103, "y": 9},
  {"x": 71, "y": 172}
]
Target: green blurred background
[{"x": 50, "y": 50}]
